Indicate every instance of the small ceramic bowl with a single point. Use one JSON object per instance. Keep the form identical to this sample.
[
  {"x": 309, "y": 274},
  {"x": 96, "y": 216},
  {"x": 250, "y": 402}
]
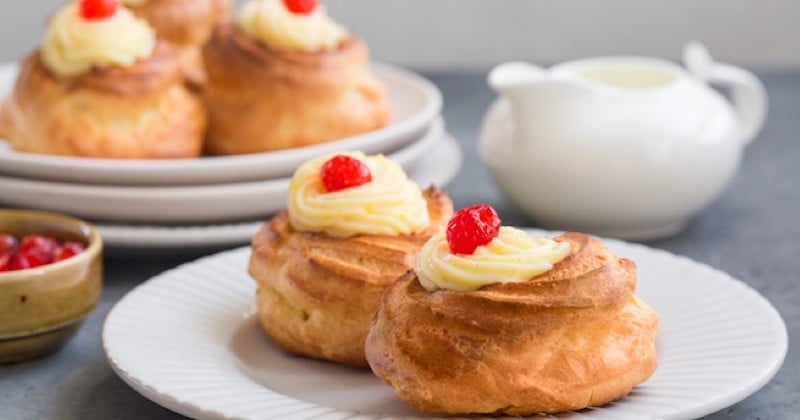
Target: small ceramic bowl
[{"x": 42, "y": 307}]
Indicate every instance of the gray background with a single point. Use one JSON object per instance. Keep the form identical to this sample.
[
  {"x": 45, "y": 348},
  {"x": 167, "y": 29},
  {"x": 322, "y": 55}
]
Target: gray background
[
  {"x": 750, "y": 232},
  {"x": 475, "y": 34}
]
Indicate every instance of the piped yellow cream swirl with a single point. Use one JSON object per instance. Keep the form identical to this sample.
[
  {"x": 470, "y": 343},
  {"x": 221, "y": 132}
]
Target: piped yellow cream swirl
[
  {"x": 270, "y": 22},
  {"x": 513, "y": 256},
  {"x": 73, "y": 45},
  {"x": 391, "y": 204}
]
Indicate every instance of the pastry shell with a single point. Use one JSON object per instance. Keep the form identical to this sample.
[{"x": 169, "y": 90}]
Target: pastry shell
[
  {"x": 261, "y": 99},
  {"x": 140, "y": 112},
  {"x": 317, "y": 293},
  {"x": 187, "y": 24},
  {"x": 572, "y": 338}
]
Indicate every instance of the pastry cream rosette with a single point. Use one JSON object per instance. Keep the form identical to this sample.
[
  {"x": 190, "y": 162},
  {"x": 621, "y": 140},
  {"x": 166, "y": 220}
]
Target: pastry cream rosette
[
  {"x": 391, "y": 204},
  {"x": 512, "y": 256},
  {"x": 73, "y": 45},
  {"x": 272, "y": 23}
]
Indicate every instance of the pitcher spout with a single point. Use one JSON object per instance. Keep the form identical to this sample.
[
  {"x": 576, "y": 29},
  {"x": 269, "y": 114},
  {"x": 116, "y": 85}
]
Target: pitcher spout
[
  {"x": 523, "y": 83},
  {"x": 534, "y": 95},
  {"x": 507, "y": 78}
]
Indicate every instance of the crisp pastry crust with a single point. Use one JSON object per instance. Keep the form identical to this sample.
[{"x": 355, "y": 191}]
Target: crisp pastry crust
[
  {"x": 187, "y": 24},
  {"x": 571, "y": 338},
  {"x": 317, "y": 293},
  {"x": 184, "y": 22},
  {"x": 139, "y": 112},
  {"x": 261, "y": 99}
]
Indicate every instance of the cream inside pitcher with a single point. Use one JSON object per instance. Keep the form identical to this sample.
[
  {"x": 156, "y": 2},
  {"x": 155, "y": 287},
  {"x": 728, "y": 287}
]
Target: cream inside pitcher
[{"x": 628, "y": 77}]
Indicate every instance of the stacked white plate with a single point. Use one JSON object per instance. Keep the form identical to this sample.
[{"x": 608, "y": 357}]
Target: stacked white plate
[{"x": 215, "y": 201}]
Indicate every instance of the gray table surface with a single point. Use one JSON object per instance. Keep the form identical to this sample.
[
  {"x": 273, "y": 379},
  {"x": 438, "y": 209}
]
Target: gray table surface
[{"x": 751, "y": 232}]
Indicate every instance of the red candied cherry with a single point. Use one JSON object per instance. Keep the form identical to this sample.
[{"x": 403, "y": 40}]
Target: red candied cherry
[
  {"x": 44, "y": 246},
  {"x": 472, "y": 227},
  {"x": 342, "y": 172},
  {"x": 69, "y": 250},
  {"x": 300, "y": 7},
  {"x": 98, "y": 9},
  {"x": 8, "y": 244},
  {"x": 25, "y": 260}
]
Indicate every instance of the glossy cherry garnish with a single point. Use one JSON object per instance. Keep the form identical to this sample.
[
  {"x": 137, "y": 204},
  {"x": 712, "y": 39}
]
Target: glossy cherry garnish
[
  {"x": 300, "y": 7},
  {"x": 68, "y": 250},
  {"x": 342, "y": 172},
  {"x": 98, "y": 9},
  {"x": 472, "y": 227}
]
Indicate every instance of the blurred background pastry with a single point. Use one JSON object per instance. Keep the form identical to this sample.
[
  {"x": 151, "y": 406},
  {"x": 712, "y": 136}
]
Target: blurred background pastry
[
  {"x": 354, "y": 223},
  {"x": 187, "y": 24},
  {"x": 513, "y": 325},
  {"x": 285, "y": 75},
  {"x": 101, "y": 85}
]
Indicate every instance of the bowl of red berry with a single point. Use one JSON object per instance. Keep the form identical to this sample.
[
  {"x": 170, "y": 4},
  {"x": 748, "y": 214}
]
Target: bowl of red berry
[{"x": 51, "y": 276}]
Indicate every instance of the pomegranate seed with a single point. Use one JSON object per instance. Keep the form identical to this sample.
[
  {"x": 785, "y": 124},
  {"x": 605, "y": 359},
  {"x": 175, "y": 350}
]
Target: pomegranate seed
[
  {"x": 29, "y": 259},
  {"x": 42, "y": 244},
  {"x": 342, "y": 172},
  {"x": 98, "y": 9},
  {"x": 8, "y": 244},
  {"x": 472, "y": 227},
  {"x": 69, "y": 250},
  {"x": 5, "y": 262},
  {"x": 301, "y": 7}
]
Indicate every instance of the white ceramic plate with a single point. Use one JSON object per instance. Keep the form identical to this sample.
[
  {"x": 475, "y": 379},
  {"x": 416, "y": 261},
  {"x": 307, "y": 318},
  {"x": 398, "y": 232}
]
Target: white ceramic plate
[
  {"x": 183, "y": 204},
  {"x": 415, "y": 100},
  {"x": 180, "y": 237},
  {"x": 188, "y": 340},
  {"x": 432, "y": 170}
]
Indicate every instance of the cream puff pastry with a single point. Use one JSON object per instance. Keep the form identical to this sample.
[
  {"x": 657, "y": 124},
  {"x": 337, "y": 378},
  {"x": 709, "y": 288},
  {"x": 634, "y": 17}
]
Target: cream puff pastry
[
  {"x": 90, "y": 91},
  {"x": 280, "y": 79},
  {"x": 187, "y": 24},
  {"x": 322, "y": 265},
  {"x": 449, "y": 338}
]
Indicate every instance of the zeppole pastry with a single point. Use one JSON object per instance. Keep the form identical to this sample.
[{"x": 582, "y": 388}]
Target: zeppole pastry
[
  {"x": 496, "y": 322},
  {"x": 285, "y": 75},
  {"x": 353, "y": 224},
  {"x": 102, "y": 86},
  {"x": 187, "y": 24}
]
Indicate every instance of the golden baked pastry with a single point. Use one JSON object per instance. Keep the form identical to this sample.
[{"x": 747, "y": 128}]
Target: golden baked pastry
[
  {"x": 139, "y": 112},
  {"x": 187, "y": 24},
  {"x": 572, "y": 337},
  {"x": 269, "y": 96},
  {"x": 85, "y": 93},
  {"x": 316, "y": 292}
]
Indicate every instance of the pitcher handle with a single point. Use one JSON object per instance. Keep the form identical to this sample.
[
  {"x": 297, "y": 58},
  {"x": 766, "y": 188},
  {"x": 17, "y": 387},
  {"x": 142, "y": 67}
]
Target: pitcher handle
[{"x": 747, "y": 92}]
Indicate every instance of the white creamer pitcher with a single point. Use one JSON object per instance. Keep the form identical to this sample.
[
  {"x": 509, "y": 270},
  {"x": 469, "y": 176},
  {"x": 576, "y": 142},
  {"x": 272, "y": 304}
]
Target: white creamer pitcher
[{"x": 630, "y": 147}]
